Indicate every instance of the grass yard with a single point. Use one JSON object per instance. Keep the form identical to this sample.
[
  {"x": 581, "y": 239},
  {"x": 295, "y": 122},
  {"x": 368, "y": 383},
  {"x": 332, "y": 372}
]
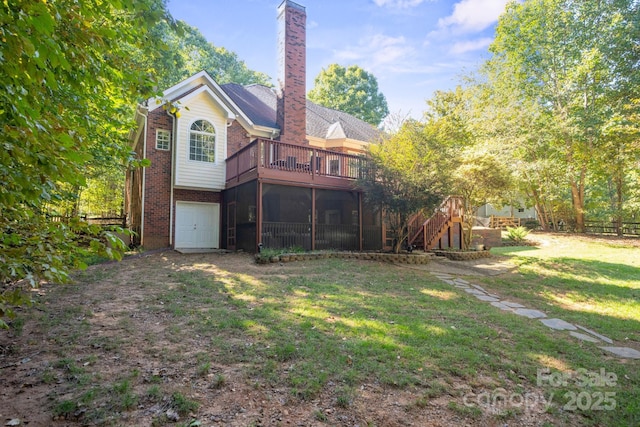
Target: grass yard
[{"x": 170, "y": 339}]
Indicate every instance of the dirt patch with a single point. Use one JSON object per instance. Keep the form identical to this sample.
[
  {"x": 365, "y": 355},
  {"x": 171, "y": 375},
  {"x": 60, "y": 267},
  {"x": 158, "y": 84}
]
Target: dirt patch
[
  {"x": 110, "y": 350},
  {"x": 545, "y": 238}
]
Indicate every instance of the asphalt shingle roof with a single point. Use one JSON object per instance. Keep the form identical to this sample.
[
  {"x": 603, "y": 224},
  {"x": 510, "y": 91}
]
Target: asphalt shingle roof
[{"x": 259, "y": 103}]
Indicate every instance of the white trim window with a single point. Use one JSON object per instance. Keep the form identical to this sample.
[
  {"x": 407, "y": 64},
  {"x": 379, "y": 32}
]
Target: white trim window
[
  {"x": 202, "y": 142},
  {"x": 163, "y": 139}
]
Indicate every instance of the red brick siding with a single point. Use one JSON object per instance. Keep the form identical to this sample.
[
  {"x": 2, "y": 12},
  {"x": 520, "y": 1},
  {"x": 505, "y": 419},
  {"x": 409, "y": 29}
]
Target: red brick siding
[
  {"x": 236, "y": 138},
  {"x": 180, "y": 195},
  {"x": 292, "y": 108},
  {"x": 157, "y": 183}
]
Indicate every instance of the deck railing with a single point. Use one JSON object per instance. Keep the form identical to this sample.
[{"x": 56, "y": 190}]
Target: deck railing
[
  {"x": 276, "y": 155},
  {"x": 280, "y": 235},
  {"x": 344, "y": 237}
]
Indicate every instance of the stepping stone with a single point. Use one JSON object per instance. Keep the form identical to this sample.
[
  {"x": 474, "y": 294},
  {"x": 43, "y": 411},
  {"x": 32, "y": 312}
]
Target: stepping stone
[
  {"x": 443, "y": 275},
  {"x": 494, "y": 295},
  {"x": 486, "y": 298},
  {"x": 474, "y": 291},
  {"x": 461, "y": 281},
  {"x": 451, "y": 282},
  {"x": 531, "y": 314},
  {"x": 501, "y": 305},
  {"x": 480, "y": 288},
  {"x": 512, "y": 304},
  {"x": 595, "y": 334},
  {"x": 558, "y": 324},
  {"x": 583, "y": 337},
  {"x": 462, "y": 286},
  {"x": 626, "y": 352}
]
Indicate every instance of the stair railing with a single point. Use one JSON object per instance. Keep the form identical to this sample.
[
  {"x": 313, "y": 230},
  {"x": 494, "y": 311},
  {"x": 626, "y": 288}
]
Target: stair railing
[{"x": 430, "y": 229}]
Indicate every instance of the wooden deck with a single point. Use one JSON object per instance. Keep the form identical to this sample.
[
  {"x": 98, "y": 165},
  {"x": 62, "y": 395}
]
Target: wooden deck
[{"x": 278, "y": 162}]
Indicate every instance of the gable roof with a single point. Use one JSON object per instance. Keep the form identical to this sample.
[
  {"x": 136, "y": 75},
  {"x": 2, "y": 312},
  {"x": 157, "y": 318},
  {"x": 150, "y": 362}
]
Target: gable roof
[{"x": 259, "y": 103}]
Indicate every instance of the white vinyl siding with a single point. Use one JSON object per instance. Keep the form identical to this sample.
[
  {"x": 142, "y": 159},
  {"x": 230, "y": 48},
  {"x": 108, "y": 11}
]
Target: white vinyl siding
[{"x": 198, "y": 173}]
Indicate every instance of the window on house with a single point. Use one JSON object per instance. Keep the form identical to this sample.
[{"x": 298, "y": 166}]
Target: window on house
[
  {"x": 521, "y": 210},
  {"x": 334, "y": 166},
  {"x": 163, "y": 139},
  {"x": 202, "y": 141}
]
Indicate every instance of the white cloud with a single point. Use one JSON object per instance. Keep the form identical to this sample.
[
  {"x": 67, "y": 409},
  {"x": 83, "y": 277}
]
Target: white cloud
[
  {"x": 471, "y": 45},
  {"x": 399, "y": 4},
  {"x": 473, "y": 15},
  {"x": 376, "y": 51}
]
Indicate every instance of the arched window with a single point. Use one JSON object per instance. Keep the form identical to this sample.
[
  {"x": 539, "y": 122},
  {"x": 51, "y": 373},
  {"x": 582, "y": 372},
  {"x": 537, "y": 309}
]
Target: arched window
[{"x": 202, "y": 141}]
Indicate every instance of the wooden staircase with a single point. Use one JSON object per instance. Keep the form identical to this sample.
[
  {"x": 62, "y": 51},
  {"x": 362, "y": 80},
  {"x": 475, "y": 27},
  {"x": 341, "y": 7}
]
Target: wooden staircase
[{"x": 427, "y": 233}]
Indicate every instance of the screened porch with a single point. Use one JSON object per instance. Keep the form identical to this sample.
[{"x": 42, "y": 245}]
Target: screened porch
[{"x": 299, "y": 217}]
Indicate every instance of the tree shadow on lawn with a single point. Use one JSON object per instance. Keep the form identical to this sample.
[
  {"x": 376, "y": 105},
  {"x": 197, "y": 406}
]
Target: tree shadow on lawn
[
  {"x": 598, "y": 295},
  {"x": 308, "y": 327}
]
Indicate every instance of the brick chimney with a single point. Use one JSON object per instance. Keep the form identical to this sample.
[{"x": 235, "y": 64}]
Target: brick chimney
[{"x": 292, "y": 107}]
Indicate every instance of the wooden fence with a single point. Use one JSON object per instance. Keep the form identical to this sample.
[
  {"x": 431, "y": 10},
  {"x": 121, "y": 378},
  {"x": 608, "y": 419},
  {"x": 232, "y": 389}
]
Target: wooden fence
[
  {"x": 503, "y": 221},
  {"x": 609, "y": 227},
  {"x": 104, "y": 221}
]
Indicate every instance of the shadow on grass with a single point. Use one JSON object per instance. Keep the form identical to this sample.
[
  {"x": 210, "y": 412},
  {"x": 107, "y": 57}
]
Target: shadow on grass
[
  {"x": 307, "y": 326},
  {"x": 508, "y": 250}
]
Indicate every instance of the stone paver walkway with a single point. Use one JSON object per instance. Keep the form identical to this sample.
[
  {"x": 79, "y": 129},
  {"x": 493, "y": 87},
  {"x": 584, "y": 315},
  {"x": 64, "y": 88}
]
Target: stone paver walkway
[{"x": 586, "y": 335}]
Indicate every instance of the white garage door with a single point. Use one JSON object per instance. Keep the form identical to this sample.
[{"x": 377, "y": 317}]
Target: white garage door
[{"x": 197, "y": 225}]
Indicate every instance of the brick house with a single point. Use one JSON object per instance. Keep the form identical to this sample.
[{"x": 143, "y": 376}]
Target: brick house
[{"x": 241, "y": 166}]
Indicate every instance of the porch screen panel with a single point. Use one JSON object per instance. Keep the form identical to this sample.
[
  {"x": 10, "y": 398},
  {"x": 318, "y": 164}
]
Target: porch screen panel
[
  {"x": 286, "y": 216},
  {"x": 372, "y": 237},
  {"x": 337, "y": 220},
  {"x": 246, "y": 216}
]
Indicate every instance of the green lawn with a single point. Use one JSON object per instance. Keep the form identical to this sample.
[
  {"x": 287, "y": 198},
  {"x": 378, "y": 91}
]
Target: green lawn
[{"x": 333, "y": 325}]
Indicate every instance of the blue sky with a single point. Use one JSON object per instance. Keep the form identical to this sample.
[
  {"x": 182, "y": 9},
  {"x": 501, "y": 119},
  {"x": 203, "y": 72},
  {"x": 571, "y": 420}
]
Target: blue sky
[{"x": 412, "y": 47}]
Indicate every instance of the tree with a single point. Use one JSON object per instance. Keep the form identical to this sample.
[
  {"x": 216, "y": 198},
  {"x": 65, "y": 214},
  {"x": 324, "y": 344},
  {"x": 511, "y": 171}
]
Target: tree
[
  {"x": 187, "y": 52},
  {"x": 402, "y": 178},
  {"x": 351, "y": 90},
  {"x": 577, "y": 64},
  {"x": 70, "y": 77},
  {"x": 479, "y": 178}
]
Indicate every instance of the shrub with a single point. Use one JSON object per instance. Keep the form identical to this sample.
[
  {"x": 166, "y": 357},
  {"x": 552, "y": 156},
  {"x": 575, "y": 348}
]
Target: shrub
[
  {"x": 517, "y": 234},
  {"x": 532, "y": 224}
]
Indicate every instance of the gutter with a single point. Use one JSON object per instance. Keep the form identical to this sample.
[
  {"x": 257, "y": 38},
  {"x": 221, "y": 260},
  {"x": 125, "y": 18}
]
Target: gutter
[{"x": 144, "y": 177}]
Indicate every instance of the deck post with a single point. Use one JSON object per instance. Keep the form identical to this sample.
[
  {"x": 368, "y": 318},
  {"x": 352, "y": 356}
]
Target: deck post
[
  {"x": 360, "y": 232},
  {"x": 313, "y": 218},
  {"x": 259, "y": 216}
]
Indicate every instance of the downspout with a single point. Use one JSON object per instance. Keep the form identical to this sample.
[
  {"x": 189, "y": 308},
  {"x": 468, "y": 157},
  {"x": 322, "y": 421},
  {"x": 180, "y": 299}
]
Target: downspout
[
  {"x": 174, "y": 134},
  {"x": 144, "y": 179}
]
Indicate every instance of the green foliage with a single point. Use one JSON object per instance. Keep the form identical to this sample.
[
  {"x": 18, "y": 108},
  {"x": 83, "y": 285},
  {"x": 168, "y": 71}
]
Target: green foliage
[
  {"x": 188, "y": 52},
  {"x": 69, "y": 79},
  {"x": 562, "y": 93},
  {"x": 351, "y": 90},
  {"x": 104, "y": 194},
  {"x": 480, "y": 178},
  {"x": 423, "y": 162},
  {"x": 402, "y": 177},
  {"x": 182, "y": 404},
  {"x": 517, "y": 234}
]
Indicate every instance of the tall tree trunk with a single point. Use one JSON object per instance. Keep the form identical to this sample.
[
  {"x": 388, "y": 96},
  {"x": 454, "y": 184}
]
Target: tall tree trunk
[
  {"x": 577, "y": 198},
  {"x": 619, "y": 182},
  {"x": 539, "y": 207}
]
